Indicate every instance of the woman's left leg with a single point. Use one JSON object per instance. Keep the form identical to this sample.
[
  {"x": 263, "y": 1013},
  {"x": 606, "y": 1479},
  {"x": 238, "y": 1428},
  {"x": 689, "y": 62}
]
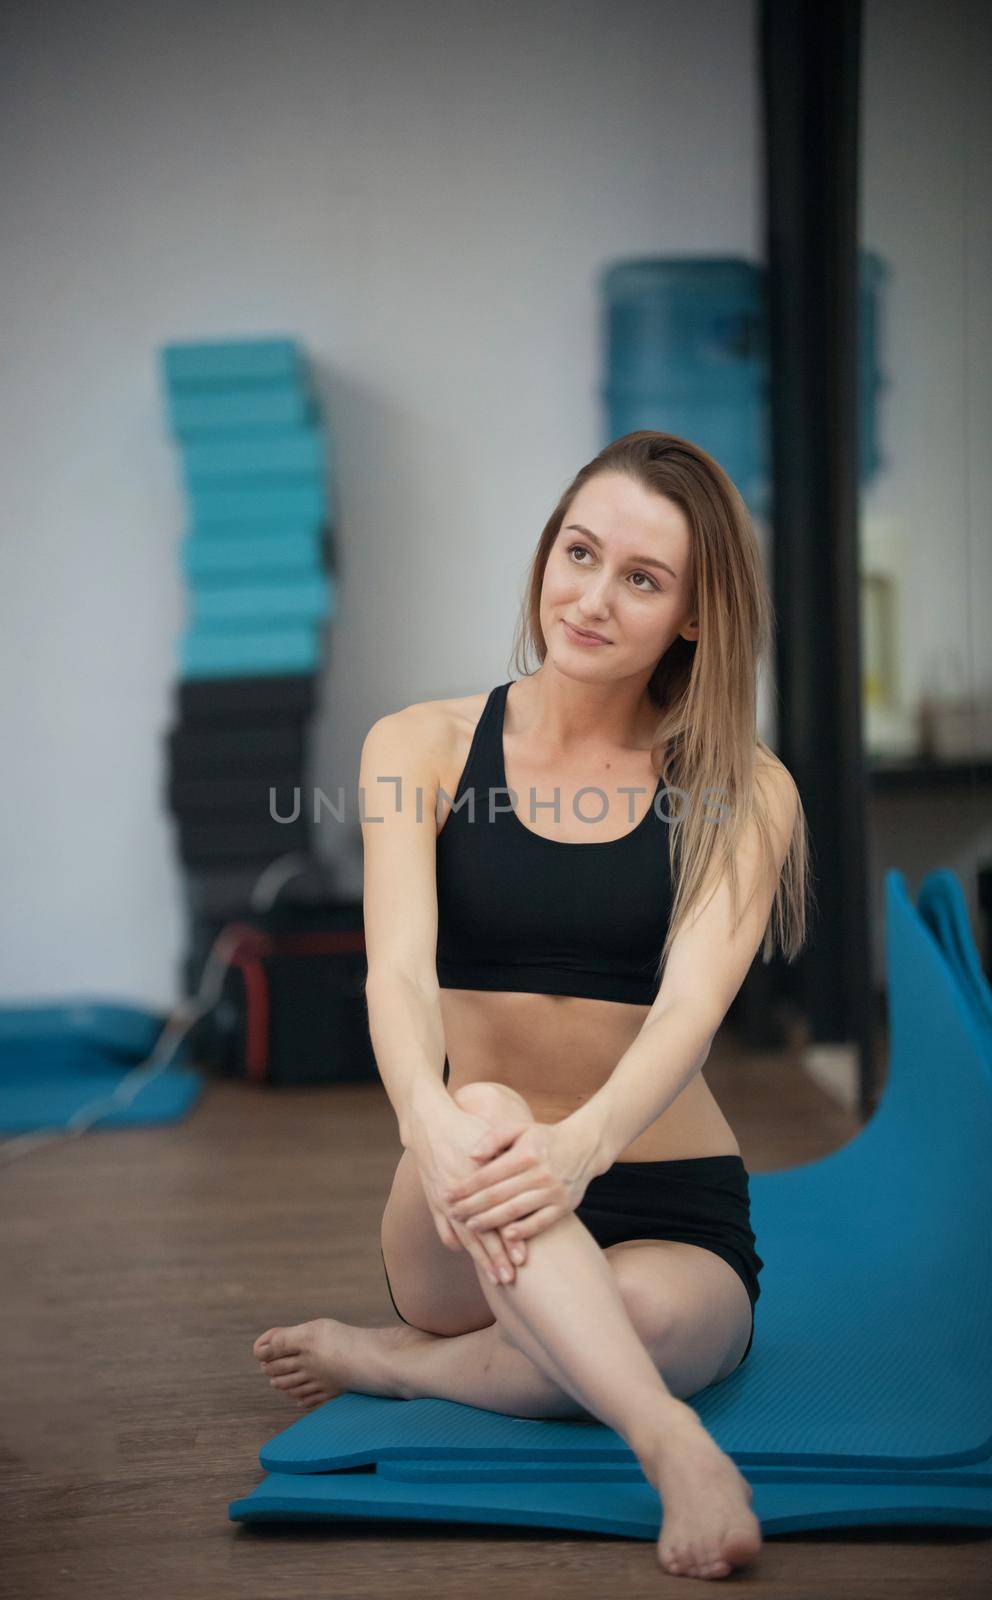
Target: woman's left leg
[{"x": 677, "y": 1298}]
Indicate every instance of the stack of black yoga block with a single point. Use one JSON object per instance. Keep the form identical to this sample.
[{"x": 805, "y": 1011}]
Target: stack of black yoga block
[{"x": 257, "y": 558}]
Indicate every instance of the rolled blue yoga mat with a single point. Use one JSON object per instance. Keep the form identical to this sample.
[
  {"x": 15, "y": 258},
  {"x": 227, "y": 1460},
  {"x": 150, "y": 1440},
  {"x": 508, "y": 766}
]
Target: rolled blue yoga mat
[{"x": 872, "y": 1344}]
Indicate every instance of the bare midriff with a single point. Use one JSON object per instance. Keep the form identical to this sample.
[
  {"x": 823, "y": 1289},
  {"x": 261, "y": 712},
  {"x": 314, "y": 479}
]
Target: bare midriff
[{"x": 558, "y": 1050}]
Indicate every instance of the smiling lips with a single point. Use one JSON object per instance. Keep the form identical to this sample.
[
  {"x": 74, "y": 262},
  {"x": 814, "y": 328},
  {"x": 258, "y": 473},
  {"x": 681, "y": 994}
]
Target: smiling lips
[{"x": 583, "y": 634}]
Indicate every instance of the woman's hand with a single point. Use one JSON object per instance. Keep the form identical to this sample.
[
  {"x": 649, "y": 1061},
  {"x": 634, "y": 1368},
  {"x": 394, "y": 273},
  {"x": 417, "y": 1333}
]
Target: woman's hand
[
  {"x": 443, "y": 1161},
  {"x": 540, "y": 1176}
]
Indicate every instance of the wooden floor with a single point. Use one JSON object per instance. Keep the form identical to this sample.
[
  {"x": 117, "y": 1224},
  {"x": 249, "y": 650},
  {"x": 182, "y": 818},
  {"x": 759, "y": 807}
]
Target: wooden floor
[{"x": 138, "y": 1267}]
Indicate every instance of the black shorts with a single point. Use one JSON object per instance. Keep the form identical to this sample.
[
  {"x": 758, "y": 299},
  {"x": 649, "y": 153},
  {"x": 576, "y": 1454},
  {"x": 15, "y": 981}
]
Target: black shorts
[{"x": 700, "y": 1200}]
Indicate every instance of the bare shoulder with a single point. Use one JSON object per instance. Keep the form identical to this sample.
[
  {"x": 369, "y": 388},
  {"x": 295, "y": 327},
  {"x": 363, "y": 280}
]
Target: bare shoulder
[
  {"x": 431, "y": 736},
  {"x": 435, "y": 723}
]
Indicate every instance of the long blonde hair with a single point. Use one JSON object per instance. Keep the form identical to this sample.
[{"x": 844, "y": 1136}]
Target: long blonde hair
[{"x": 706, "y": 742}]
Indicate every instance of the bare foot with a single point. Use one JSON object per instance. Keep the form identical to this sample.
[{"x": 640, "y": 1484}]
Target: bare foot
[
  {"x": 708, "y": 1527},
  {"x": 314, "y": 1361}
]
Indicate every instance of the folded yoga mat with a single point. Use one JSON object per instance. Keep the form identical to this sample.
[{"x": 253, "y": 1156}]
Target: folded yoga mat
[
  {"x": 53, "y": 1102},
  {"x": 57, "y": 1030},
  {"x": 632, "y": 1510},
  {"x": 873, "y": 1337},
  {"x": 60, "y": 1059},
  {"x": 977, "y": 1476}
]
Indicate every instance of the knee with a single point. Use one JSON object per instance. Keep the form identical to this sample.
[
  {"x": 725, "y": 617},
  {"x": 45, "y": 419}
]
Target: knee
[
  {"x": 492, "y": 1100},
  {"x": 649, "y": 1306}
]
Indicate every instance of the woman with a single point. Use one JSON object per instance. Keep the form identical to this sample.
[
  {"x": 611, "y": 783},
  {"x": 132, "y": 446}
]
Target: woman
[{"x": 568, "y": 1229}]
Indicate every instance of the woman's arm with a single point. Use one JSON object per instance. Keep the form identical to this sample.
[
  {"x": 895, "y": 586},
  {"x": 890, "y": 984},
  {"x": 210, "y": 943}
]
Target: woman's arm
[
  {"x": 398, "y": 786},
  {"x": 408, "y": 1042},
  {"x": 401, "y": 761},
  {"x": 672, "y": 1045},
  {"x": 707, "y": 963}
]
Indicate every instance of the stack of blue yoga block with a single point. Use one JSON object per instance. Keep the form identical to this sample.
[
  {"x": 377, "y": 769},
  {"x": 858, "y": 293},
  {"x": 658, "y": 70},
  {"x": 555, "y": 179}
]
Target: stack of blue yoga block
[
  {"x": 257, "y": 557},
  {"x": 249, "y": 432}
]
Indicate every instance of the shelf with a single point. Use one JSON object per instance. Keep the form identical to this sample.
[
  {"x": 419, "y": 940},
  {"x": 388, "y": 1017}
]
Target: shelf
[{"x": 907, "y": 774}]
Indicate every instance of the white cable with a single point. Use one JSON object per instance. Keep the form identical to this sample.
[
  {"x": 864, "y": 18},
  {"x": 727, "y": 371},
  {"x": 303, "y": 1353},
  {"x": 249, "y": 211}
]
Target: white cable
[{"x": 274, "y": 877}]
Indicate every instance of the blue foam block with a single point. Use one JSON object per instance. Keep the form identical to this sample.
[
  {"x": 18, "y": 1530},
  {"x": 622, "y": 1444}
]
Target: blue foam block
[
  {"x": 231, "y": 510},
  {"x": 198, "y": 363},
  {"x": 293, "y": 551},
  {"x": 630, "y": 1509},
  {"x": 281, "y": 455},
  {"x": 204, "y": 413},
  {"x": 262, "y": 600},
  {"x": 233, "y": 651}
]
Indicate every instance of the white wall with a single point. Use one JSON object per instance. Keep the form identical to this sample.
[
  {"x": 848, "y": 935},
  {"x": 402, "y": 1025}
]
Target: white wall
[{"x": 424, "y": 195}]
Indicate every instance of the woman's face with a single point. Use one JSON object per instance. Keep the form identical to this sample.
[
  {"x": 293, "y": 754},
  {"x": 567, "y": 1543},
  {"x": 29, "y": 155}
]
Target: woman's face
[{"x": 618, "y": 568}]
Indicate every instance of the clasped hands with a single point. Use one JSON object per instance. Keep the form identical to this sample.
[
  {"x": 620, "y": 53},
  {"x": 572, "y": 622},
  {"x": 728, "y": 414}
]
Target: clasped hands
[{"x": 531, "y": 1174}]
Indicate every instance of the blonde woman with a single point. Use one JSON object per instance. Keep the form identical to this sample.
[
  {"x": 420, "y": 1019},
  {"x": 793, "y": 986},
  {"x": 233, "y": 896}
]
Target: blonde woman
[{"x": 568, "y": 1230}]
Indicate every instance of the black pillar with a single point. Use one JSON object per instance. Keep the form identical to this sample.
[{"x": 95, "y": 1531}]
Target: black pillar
[{"x": 810, "y": 56}]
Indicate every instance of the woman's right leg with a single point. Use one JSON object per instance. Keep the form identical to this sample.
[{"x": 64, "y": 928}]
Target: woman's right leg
[{"x": 432, "y": 1288}]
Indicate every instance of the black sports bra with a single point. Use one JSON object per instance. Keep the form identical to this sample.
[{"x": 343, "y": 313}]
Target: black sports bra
[{"x": 523, "y": 912}]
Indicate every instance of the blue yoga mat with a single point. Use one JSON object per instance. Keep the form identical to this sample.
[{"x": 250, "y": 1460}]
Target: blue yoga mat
[
  {"x": 56, "y": 1031},
  {"x": 629, "y": 1509},
  {"x": 61, "y": 1060},
  {"x": 406, "y": 1471},
  {"x": 27, "y": 1108},
  {"x": 872, "y": 1344},
  {"x": 943, "y": 908}
]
